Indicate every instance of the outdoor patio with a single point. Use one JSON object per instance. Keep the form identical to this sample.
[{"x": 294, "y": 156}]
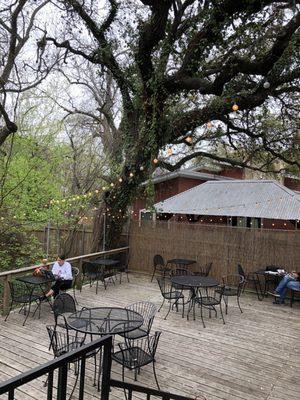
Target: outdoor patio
[{"x": 254, "y": 356}]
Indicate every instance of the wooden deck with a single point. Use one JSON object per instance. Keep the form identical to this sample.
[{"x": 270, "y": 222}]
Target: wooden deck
[{"x": 255, "y": 356}]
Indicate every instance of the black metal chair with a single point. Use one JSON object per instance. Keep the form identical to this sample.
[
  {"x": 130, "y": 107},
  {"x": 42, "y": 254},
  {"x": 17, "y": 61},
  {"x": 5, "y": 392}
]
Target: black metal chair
[
  {"x": 135, "y": 354},
  {"x": 233, "y": 288},
  {"x": 63, "y": 304},
  {"x": 122, "y": 267},
  {"x": 171, "y": 294},
  {"x": 181, "y": 272},
  {"x": 90, "y": 271},
  {"x": 148, "y": 311},
  {"x": 204, "y": 271},
  {"x": 160, "y": 266},
  {"x": 209, "y": 298},
  {"x": 251, "y": 277},
  {"x": 24, "y": 295},
  {"x": 61, "y": 342}
]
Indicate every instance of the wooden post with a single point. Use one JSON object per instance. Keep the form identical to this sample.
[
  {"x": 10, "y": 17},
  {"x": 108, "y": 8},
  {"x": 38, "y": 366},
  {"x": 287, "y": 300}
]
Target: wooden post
[
  {"x": 6, "y": 294},
  {"x": 79, "y": 277}
]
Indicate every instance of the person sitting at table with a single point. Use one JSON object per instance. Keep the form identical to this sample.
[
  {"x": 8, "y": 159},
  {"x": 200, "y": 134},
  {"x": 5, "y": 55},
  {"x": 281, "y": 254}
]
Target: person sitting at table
[
  {"x": 289, "y": 281},
  {"x": 62, "y": 272}
]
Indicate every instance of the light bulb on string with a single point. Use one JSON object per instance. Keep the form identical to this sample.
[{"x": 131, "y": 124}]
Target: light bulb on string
[
  {"x": 189, "y": 139},
  {"x": 141, "y": 168},
  {"x": 209, "y": 125},
  {"x": 155, "y": 161},
  {"x": 112, "y": 184},
  {"x": 120, "y": 180},
  {"x": 266, "y": 85},
  {"x": 131, "y": 174},
  {"x": 235, "y": 107},
  {"x": 170, "y": 152}
]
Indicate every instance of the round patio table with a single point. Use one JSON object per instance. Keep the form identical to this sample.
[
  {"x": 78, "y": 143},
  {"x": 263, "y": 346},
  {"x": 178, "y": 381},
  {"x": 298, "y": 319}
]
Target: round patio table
[
  {"x": 194, "y": 281},
  {"x": 181, "y": 262},
  {"x": 105, "y": 320}
]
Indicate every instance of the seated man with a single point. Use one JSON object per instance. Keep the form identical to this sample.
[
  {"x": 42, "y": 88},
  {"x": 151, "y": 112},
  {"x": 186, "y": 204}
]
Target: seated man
[
  {"x": 289, "y": 281},
  {"x": 62, "y": 272}
]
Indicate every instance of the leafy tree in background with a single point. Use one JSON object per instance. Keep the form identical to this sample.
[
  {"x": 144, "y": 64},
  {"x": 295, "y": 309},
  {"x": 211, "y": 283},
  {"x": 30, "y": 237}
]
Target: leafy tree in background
[{"x": 181, "y": 65}]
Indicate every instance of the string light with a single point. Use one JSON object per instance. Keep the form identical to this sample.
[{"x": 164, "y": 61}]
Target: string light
[
  {"x": 235, "y": 107},
  {"x": 170, "y": 152},
  {"x": 189, "y": 139},
  {"x": 266, "y": 85},
  {"x": 131, "y": 174},
  {"x": 155, "y": 161},
  {"x": 120, "y": 180},
  {"x": 141, "y": 168},
  {"x": 209, "y": 125}
]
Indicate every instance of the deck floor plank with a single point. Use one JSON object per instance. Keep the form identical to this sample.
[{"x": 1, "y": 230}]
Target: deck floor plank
[{"x": 254, "y": 356}]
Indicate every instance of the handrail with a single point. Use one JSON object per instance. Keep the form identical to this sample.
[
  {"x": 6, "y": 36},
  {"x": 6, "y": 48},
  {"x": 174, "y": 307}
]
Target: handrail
[
  {"x": 150, "y": 392},
  {"x": 8, "y": 275},
  {"x": 17, "y": 271},
  {"x": 60, "y": 363}
]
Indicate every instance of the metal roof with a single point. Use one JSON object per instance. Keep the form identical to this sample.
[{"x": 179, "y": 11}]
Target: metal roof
[
  {"x": 241, "y": 198},
  {"x": 187, "y": 173}
]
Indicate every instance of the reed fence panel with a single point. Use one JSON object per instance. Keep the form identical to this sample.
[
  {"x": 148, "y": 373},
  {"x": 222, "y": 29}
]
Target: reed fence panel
[{"x": 224, "y": 246}]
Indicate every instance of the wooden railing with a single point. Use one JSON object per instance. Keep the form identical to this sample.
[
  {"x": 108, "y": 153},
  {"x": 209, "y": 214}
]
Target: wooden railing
[{"x": 7, "y": 276}]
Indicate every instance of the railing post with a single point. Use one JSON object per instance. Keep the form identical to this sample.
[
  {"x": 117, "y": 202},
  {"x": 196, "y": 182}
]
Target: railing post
[
  {"x": 6, "y": 294},
  {"x": 79, "y": 277},
  {"x": 106, "y": 369},
  {"x": 62, "y": 382}
]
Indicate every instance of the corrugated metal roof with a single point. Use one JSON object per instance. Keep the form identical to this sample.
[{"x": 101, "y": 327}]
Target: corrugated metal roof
[
  {"x": 241, "y": 198},
  {"x": 187, "y": 173}
]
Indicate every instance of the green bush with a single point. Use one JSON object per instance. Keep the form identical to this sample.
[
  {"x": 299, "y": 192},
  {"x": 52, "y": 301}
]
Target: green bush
[{"x": 18, "y": 248}]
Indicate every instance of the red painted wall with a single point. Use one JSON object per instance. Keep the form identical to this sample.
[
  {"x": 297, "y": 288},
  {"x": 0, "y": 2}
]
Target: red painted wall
[{"x": 291, "y": 183}]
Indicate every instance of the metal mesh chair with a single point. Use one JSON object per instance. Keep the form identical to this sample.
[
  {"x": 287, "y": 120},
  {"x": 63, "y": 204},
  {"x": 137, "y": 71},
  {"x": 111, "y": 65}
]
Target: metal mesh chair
[
  {"x": 209, "y": 298},
  {"x": 181, "y": 272},
  {"x": 75, "y": 273},
  {"x": 251, "y": 277},
  {"x": 160, "y": 266},
  {"x": 122, "y": 267},
  {"x": 135, "y": 354},
  {"x": 24, "y": 295},
  {"x": 204, "y": 271},
  {"x": 171, "y": 294},
  {"x": 233, "y": 288},
  {"x": 90, "y": 271},
  {"x": 148, "y": 311}
]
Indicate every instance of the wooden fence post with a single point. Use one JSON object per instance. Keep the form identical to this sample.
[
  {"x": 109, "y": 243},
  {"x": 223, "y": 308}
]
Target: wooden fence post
[
  {"x": 79, "y": 277},
  {"x": 6, "y": 294}
]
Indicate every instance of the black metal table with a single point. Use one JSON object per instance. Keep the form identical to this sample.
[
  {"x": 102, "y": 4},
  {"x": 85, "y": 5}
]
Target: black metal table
[
  {"x": 181, "y": 262},
  {"x": 194, "y": 281},
  {"x": 104, "y": 321},
  {"x": 270, "y": 277},
  {"x": 31, "y": 283},
  {"x": 108, "y": 262}
]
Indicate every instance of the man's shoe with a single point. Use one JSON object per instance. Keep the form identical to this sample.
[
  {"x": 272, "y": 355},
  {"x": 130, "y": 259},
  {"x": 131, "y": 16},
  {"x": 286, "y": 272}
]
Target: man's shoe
[
  {"x": 42, "y": 298},
  {"x": 275, "y": 294}
]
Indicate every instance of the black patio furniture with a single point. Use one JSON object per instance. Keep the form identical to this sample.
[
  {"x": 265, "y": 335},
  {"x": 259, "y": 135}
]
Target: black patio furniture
[
  {"x": 169, "y": 293},
  {"x": 209, "y": 298},
  {"x": 181, "y": 272},
  {"x": 123, "y": 264},
  {"x": 194, "y": 282},
  {"x": 105, "y": 320},
  {"x": 160, "y": 266},
  {"x": 181, "y": 262},
  {"x": 205, "y": 270},
  {"x": 135, "y": 354},
  {"x": 75, "y": 274},
  {"x": 295, "y": 294},
  {"x": 251, "y": 277},
  {"x": 62, "y": 342},
  {"x": 107, "y": 269},
  {"x": 233, "y": 288},
  {"x": 24, "y": 295},
  {"x": 147, "y": 310},
  {"x": 90, "y": 271}
]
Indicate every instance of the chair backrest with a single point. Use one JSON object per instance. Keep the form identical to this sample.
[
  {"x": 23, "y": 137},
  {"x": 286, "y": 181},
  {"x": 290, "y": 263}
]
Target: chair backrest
[
  {"x": 273, "y": 268},
  {"x": 181, "y": 271},
  {"x": 234, "y": 281},
  {"x": 75, "y": 272},
  {"x": 215, "y": 292},
  {"x": 240, "y": 270},
  {"x": 89, "y": 268},
  {"x": 140, "y": 351},
  {"x": 20, "y": 290},
  {"x": 147, "y": 310},
  {"x": 60, "y": 339},
  {"x": 63, "y": 303},
  {"x": 158, "y": 260},
  {"x": 207, "y": 268},
  {"x": 165, "y": 285}
]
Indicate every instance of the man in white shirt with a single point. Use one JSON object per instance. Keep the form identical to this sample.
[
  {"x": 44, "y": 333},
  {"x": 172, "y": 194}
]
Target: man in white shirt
[{"x": 62, "y": 272}]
